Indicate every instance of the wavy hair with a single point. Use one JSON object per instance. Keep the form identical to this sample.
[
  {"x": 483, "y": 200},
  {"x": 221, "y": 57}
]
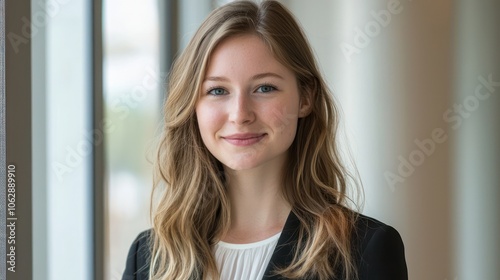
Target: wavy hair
[{"x": 191, "y": 209}]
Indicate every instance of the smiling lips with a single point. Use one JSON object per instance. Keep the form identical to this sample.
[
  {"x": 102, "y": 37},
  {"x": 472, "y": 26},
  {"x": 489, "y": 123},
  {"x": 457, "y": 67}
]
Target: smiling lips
[{"x": 244, "y": 139}]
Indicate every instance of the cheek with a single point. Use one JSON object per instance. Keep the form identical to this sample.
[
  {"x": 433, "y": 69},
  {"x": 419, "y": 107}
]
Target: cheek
[
  {"x": 283, "y": 117},
  {"x": 209, "y": 120}
]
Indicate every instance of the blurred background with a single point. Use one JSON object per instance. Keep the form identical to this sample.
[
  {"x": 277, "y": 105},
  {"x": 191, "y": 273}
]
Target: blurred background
[{"x": 418, "y": 82}]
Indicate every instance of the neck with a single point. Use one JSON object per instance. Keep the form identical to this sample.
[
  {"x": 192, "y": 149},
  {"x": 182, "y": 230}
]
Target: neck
[{"x": 258, "y": 208}]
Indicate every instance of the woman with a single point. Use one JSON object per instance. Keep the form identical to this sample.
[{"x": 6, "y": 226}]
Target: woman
[{"x": 249, "y": 183}]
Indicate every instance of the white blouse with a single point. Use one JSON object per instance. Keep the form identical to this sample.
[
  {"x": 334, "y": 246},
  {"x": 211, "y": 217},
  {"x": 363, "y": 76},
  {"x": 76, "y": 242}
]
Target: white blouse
[{"x": 244, "y": 261}]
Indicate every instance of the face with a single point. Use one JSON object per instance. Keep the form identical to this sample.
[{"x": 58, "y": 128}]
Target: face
[{"x": 249, "y": 105}]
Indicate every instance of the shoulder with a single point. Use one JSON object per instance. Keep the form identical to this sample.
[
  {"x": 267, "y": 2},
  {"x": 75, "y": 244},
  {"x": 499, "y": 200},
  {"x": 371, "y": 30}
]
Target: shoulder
[
  {"x": 139, "y": 255},
  {"x": 379, "y": 250},
  {"x": 368, "y": 229}
]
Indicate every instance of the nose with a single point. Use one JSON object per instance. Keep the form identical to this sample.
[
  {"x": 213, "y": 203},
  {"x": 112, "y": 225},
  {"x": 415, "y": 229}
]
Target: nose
[{"x": 242, "y": 109}]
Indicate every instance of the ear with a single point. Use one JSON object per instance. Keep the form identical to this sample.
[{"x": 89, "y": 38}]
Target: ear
[{"x": 305, "y": 104}]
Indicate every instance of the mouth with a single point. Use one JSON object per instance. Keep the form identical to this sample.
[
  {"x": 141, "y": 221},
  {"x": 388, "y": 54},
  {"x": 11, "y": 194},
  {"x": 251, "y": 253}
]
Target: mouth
[{"x": 244, "y": 139}]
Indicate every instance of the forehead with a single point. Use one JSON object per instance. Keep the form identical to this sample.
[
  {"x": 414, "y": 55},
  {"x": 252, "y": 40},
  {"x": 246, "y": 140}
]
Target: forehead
[{"x": 243, "y": 54}]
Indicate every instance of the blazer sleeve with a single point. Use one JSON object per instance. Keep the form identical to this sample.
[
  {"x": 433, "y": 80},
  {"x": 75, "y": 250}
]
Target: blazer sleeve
[
  {"x": 137, "y": 264},
  {"x": 383, "y": 256}
]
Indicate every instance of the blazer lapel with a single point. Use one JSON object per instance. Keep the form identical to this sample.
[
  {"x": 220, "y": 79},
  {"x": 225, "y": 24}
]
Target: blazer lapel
[{"x": 284, "y": 251}]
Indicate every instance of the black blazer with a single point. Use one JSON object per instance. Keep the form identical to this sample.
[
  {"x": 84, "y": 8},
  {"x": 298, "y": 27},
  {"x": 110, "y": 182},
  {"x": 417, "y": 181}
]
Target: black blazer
[{"x": 378, "y": 251}]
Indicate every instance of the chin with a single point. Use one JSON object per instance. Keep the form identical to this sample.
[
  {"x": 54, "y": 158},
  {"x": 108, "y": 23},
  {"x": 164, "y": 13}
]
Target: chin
[
  {"x": 263, "y": 164},
  {"x": 239, "y": 166},
  {"x": 239, "y": 163}
]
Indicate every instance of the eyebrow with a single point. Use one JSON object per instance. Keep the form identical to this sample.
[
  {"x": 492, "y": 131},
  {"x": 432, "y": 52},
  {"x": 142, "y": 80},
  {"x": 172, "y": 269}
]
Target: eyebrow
[{"x": 255, "y": 77}]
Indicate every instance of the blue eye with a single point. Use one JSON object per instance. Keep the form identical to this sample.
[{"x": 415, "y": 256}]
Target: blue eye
[
  {"x": 266, "y": 88},
  {"x": 217, "y": 91}
]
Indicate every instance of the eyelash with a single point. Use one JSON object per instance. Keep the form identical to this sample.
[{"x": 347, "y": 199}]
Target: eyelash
[
  {"x": 214, "y": 88},
  {"x": 273, "y": 88}
]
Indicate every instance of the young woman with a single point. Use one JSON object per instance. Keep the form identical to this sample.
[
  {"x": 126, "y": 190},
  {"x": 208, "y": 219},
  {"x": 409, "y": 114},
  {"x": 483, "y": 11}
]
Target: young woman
[{"x": 249, "y": 183}]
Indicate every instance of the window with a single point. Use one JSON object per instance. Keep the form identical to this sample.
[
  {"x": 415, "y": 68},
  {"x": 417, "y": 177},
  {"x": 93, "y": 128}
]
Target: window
[
  {"x": 62, "y": 139},
  {"x": 132, "y": 100}
]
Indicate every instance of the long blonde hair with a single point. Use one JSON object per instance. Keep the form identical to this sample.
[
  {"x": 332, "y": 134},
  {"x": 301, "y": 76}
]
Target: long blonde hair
[{"x": 192, "y": 208}]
